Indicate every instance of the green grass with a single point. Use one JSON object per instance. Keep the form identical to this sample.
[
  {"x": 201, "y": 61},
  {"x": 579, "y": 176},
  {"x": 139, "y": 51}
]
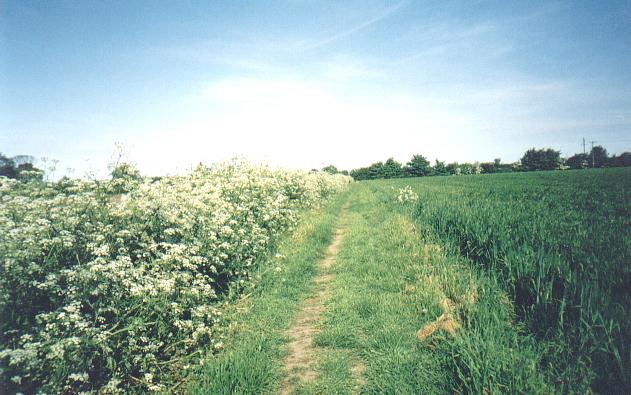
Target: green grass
[
  {"x": 559, "y": 243},
  {"x": 252, "y": 358},
  {"x": 388, "y": 283},
  {"x": 534, "y": 264}
]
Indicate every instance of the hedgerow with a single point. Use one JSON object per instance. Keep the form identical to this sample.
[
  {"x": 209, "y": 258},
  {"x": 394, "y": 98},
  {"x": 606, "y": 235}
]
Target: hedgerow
[{"x": 114, "y": 286}]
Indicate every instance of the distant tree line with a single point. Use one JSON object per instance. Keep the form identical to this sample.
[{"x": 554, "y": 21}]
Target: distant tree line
[
  {"x": 20, "y": 167},
  {"x": 549, "y": 159},
  {"x": 332, "y": 170},
  {"x": 532, "y": 160}
]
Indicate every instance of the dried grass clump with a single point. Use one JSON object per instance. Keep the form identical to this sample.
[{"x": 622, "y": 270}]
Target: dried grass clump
[{"x": 446, "y": 321}]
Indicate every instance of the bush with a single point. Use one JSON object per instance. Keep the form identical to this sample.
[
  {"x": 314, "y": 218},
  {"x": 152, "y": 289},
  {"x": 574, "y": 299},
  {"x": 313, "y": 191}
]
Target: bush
[{"x": 110, "y": 292}]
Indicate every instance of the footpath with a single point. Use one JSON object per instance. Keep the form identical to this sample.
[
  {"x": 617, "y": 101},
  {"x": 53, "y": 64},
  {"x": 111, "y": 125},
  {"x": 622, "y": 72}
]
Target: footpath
[{"x": 358, "y": 303}]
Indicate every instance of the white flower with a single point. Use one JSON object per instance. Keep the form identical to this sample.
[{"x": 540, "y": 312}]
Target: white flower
[
  {"x": 82, "y": 377},
  {"x": 148, "y": 257}
]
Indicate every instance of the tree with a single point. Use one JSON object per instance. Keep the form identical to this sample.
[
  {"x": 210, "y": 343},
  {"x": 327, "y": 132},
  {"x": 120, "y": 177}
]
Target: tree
[
  {"x": 488, "y": 167},
  {"x": 543, "y": 159},
  {"x": 495, "y": 167},
  {"x": 622, "y": 160},
  {"x": 440, "y": 169},
  {"x": 374, "y": 171},
  {"x": 27, "y": 172},
  {"x": 598, "y": 157},
  {"x": 366, "y": 173},
  {"x": 502, "y": 167},
  {"x": 453, "y": 168},
  {"x": 7, "y": 167},
  {"x": 125, "y": 171},
  {"x": 578, "y": 161},
  {"x": 418, "y": 166},
  {"x": 466, "y": 168},
  {"x": 330, "y": 169},
  {"x": 23, "y": 159},
  {"x": 359, "y": 174},
  {"x": 20, "y": 167},
  {"x": 356, "y": 174},
  {"x": 392, "y": 169}
]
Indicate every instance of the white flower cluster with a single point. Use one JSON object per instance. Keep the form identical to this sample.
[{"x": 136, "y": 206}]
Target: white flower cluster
[
  {"x": 406, "y": 195},
  {"x": 106, "y": 292}
]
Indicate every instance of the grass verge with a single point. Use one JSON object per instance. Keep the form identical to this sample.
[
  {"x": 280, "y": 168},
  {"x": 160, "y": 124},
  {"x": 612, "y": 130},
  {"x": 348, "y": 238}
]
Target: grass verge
[{"x": 251, "y": 360}]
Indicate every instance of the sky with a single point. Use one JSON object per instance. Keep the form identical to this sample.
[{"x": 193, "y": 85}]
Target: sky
[{"x": 303, "y": 84}]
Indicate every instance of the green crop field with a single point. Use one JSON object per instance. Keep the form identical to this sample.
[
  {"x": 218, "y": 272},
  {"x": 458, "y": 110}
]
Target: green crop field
[
  {"x": 559, "y": 244},
  {"x": 239, "y": 280}
]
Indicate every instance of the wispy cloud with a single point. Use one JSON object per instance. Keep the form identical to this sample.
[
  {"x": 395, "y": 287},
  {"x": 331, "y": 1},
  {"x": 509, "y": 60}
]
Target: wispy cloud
[
  {"x": 302, "y": 83},
  {"x": 265, "y": 53},
  {"x": 439, "y": 41},
  {"x": 358, "y": 27}
]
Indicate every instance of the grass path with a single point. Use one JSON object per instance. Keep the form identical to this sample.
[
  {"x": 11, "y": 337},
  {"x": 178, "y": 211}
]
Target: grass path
[
  {"x": 298, "y": 363},
  {"x": 376, "y": 305},
  {"x": 386, "y": 310},
  {"x": 252, "y": 359}
]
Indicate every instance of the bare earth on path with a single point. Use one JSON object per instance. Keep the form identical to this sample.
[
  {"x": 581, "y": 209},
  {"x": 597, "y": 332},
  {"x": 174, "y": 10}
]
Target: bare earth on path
[{"x": 298, "y": 363}]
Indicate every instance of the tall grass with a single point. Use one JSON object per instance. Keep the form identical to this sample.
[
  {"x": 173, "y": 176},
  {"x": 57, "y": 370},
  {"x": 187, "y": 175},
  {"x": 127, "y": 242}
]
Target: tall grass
[{"x": 560, "y": 244}]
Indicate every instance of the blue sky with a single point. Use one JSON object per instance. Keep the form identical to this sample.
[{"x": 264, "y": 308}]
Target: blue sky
[{"x": 306, "y": 83}]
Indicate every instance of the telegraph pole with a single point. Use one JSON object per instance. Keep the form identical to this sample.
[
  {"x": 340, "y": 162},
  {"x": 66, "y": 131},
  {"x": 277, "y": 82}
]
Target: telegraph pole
[
  {"x": 584, "y": 146},
  {"x": 592, "y": 142}
]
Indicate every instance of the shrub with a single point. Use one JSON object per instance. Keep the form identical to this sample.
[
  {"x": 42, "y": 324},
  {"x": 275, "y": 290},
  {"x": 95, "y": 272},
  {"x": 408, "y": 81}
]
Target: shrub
[{"x": 115, "y": 292}]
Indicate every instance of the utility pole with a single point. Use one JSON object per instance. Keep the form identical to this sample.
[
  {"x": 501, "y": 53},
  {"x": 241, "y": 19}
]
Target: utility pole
[
  {"x": 584, "y": 146},
  {"x": 592, "y": 142}
]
